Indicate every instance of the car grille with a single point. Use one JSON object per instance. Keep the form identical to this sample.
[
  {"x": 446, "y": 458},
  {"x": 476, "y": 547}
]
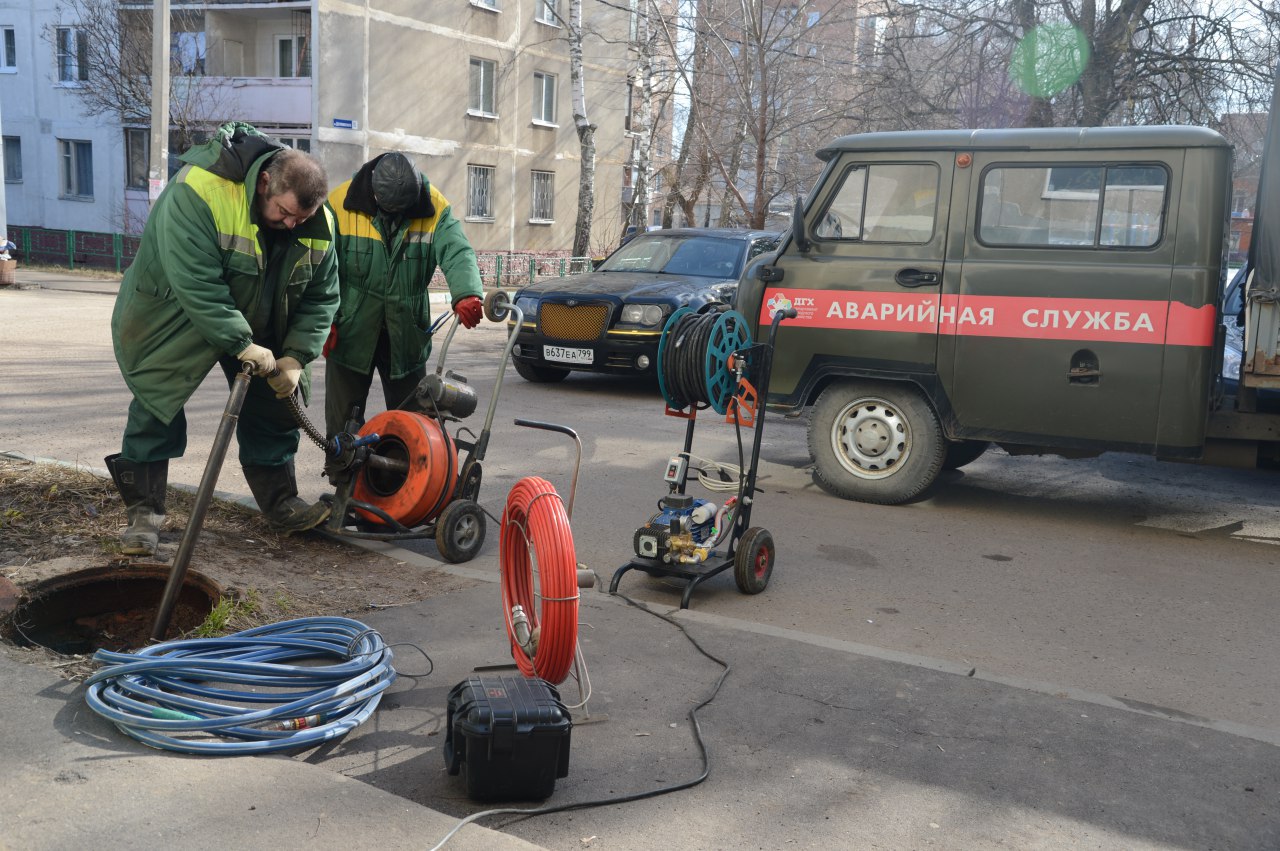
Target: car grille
[{"x": 581, "y": 322}]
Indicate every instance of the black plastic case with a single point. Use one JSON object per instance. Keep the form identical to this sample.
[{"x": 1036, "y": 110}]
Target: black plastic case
[{"x": 508, "y": 737}]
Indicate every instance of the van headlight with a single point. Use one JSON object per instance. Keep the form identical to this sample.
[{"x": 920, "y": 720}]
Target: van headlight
[{"x": 641, "y": 314}]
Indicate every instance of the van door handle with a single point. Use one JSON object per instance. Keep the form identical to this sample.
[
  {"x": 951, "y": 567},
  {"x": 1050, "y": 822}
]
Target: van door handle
[{"x": 917, "y": 277}]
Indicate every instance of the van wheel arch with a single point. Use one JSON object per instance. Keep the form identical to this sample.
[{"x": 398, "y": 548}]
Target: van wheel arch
[{"x": 875, "y": 441}]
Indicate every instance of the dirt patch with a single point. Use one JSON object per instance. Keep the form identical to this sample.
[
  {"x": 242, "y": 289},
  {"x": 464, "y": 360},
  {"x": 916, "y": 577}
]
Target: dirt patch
[{"x": 55, "y": 520}]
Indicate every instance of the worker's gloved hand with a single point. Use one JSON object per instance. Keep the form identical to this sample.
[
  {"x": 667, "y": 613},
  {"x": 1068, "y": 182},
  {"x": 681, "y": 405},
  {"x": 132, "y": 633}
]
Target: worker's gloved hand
[
  {"x": 332, "y": 341},
  {"x": 469, "y": 309},
  {"x": 287, "y": 380},
  {"x": 261, "y": 358}
]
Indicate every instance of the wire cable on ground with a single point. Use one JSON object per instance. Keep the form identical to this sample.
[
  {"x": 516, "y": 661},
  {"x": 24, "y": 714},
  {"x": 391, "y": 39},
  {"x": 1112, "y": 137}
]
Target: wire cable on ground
[
  {"x": 181, "y": 695},
  {"x": 636, "y": 796}
]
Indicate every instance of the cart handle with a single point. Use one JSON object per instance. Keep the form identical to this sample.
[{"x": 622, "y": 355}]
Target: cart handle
[{"x": 565, "y": 430}]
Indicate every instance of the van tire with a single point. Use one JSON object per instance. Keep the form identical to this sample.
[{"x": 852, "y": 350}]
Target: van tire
[
  {"x": 875, "y": 442},
  {"x": 963, "y": 452},
  {"x": 539, "y": 374}
]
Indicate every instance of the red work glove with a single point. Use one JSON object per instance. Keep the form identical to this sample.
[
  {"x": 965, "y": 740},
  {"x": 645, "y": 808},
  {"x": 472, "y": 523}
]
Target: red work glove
[
  {"x": 332, "y": 341},
  {"x": 469, "y": 309}
]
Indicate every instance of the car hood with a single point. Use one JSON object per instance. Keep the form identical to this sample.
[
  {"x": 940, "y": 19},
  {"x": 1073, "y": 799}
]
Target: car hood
[{"x": 638, "y": 286}]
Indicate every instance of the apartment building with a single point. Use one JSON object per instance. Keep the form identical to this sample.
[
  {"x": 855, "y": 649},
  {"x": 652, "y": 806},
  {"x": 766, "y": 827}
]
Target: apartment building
[{"x": 478, "y": 91}]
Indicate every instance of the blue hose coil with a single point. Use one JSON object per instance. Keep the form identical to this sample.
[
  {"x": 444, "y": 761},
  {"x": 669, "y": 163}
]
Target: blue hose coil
[{"x": 166, "y": 694}]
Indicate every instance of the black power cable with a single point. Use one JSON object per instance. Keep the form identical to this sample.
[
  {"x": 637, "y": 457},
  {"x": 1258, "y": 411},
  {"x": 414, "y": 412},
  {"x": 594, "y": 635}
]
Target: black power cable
[{"x": 635, "y": 796}]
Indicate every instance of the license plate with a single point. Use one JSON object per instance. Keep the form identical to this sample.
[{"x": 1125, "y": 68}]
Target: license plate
[{"x": 562, "y": 355}]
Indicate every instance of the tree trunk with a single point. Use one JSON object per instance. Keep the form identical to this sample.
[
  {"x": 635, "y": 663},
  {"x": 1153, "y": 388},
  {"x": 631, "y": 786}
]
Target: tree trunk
[{"x": 586, "y": 136}]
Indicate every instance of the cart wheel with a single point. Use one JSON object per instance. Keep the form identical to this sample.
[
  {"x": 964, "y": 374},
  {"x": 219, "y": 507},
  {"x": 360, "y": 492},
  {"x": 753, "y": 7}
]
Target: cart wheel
[
  {"x": 495, "y": 305},
  {"x": 460, "y": 531},
  {"x": 753, "y": 563}
]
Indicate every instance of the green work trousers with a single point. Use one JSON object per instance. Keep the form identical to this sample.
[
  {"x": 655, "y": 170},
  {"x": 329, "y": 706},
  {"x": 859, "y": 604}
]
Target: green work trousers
[
  {"x": 345, "y": 388},
  {"x": 266, "y": 431}
]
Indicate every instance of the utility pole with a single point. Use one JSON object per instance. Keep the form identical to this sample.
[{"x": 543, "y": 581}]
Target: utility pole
[
  {"x": 158, "y": 173},
  {"x": 4, "y": 219}
]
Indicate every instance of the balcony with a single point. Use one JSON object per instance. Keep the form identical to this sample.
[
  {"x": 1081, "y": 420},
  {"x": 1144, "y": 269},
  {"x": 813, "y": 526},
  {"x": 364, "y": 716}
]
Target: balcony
[{"x": 275, "y": 101}]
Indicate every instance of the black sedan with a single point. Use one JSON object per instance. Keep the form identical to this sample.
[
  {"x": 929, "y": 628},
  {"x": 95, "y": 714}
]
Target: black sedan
[{"x": 610, "y": 320}]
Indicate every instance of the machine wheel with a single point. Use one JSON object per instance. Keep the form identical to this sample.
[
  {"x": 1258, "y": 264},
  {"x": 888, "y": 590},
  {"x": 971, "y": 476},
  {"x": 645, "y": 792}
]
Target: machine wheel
[
  {"x": 495, "y": 305},
  {"x": 963, "y": 452},
  {"x": 753, "y": 562},
  {"x": 875, "y": 442},
  {"x": 539, "y": 374},
  {"x": 460, "y": 531}
]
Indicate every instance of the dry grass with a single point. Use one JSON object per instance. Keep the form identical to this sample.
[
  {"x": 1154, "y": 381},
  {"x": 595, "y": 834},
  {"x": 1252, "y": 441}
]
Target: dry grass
[{"x": 56, "y": 519}]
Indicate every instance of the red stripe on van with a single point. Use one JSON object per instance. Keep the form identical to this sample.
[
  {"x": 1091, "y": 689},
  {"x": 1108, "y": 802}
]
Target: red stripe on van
[{"x": 1106, "y": 320}]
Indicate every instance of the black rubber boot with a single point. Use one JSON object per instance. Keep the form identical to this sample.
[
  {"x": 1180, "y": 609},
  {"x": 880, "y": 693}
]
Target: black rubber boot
[
  {"x": 276, "y": 491},
  {"x": 142, "y": 487}
]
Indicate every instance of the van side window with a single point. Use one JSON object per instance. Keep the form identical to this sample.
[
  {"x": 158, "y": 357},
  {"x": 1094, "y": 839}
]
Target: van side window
[
  {"x": 1115, "y": 206},
  {"x": 882, "y": 203}
]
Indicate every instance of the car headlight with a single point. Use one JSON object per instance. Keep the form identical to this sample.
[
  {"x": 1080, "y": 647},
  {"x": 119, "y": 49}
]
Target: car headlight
[
  {"x": 528, "y": 306},
  {"x": 641, "y": 314}
]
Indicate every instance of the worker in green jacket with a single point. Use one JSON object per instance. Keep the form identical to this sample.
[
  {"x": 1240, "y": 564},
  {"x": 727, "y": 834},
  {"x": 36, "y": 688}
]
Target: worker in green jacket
[
  {"x": 234, "y": 267},
  {"x": 393, "y": 229}
]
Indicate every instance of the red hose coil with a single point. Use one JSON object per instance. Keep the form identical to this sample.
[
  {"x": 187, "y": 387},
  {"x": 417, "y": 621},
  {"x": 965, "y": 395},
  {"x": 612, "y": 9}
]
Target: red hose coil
[{"x": 535, "y": 520}]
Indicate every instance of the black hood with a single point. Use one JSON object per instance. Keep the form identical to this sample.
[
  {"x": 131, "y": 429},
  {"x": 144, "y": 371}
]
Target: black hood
[
  {"x": 232, "y": 151},
  {"x": 360, "y": 195}
]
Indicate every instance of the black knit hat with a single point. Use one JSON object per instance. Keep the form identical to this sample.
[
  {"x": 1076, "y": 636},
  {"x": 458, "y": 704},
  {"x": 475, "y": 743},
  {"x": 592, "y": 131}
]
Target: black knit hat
[{"x": 396, "y": 182}]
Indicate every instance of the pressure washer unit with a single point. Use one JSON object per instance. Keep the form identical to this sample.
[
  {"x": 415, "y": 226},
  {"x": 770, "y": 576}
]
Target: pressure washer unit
[{"x": 707, "y": 361}]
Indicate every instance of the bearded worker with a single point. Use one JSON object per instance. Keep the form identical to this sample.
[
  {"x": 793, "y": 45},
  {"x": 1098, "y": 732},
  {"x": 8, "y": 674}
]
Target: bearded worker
[{"x": 236, "y": 265}]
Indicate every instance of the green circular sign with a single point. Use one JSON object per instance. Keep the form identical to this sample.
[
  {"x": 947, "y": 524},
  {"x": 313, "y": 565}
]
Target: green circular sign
[{"x": 1049, "y": 60}]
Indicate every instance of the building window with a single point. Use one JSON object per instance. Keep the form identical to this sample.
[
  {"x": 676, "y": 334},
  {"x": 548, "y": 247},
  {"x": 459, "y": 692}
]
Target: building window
[
  {"x": 302, "y": 143},
  {"x": 8, "y": 50},
  {"x": 12, "y": 159},
  {"x": 542, "y": 191},
  {"x": 73, "y": 55},
  {"x": 77, "y": 168},
  {"x": 293, "y": 56},
  {"x": 544, "y": 97},
  {"x": 486, "y": 4},
  {"x": 137, "y": 157},
  {"x": 545, "y": 12},
  {"x": 481, "y": 101},
  {"x": 480, "y": 191}
]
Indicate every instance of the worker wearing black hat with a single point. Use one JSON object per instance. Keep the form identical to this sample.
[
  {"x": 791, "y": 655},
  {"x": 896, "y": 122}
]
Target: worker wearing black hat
[{"x": 393, "y": 230}]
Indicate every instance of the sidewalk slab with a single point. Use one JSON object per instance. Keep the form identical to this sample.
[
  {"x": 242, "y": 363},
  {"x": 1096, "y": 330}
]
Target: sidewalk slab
[{"x": 70, "y": 780}]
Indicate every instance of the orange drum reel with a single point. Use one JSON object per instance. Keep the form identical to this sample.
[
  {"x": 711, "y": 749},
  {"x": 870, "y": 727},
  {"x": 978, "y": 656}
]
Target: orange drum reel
[{"x": 432, "y": 457}]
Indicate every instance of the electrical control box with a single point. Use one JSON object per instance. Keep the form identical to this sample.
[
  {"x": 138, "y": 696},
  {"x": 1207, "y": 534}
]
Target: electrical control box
[{"x": 676, "y": 468}]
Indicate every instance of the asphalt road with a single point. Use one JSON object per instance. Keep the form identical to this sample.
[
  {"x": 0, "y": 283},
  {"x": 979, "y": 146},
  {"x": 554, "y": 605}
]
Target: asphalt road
[{"x": 1147, "y": 588}]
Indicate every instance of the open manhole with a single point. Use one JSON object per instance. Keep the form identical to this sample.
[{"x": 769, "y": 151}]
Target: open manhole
[{"x": 107, "y": 607}]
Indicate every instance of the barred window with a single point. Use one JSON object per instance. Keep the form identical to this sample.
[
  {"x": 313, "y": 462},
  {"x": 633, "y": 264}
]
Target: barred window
[
  {"x": 481, "y": 100},
  {"x": 480, "y": 191},
  {"x": 542, "y": 191},
  {"x": 544, "y": 97}
]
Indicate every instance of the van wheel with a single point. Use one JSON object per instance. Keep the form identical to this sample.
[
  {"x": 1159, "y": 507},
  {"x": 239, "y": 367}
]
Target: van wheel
[
  {"x": 875, "y": 442},
  {"x": 540, "y": 374},
  {"x": 963, "y": 452}
]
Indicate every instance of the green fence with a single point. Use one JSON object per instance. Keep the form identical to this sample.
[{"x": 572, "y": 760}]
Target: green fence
[{"x": 114, "y": 252}]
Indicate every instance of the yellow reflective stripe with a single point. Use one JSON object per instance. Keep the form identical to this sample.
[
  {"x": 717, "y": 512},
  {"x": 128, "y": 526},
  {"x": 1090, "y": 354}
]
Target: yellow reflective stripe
[
  {"x": 350, "y": 222},
  {"x": 226, "y": 200}
]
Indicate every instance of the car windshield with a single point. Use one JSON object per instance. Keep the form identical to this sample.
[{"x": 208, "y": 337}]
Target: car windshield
[{"x": 703, "y": 256}]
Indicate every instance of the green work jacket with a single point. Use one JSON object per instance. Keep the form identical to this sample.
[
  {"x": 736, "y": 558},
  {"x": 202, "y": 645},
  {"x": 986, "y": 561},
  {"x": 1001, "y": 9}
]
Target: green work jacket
[
  {"x": 201, "y": 270},
  {"x": 384, "y": 276}
]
